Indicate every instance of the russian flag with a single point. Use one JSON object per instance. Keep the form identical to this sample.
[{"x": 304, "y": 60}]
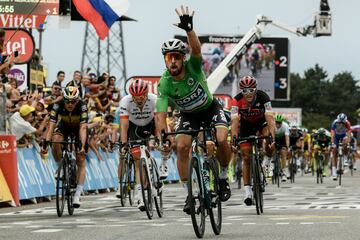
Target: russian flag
[{"x": 101, "y": 13}]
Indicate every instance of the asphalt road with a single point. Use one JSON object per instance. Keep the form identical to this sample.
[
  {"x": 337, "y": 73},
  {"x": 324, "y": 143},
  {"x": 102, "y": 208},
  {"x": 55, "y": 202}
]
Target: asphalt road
[{"x": 303, "y": 210}]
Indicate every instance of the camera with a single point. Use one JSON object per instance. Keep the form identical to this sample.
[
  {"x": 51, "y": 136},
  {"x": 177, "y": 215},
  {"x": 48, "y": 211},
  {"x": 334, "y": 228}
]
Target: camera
[{"x": 323, "y": 22}]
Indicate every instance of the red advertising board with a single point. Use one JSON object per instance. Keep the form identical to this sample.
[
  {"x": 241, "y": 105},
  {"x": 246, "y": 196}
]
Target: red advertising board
[
  {"x": 21, "y": 41},
  {"x": 152, "y": 81},
  {"x": 21, "y": 21},
  {"x": 41, "y": 7}
]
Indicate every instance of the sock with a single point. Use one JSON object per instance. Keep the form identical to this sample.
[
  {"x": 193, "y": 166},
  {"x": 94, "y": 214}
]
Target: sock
[
  {"x": 223, "y": 172},
  {"x": 185, "y": 188},
  {"x": 138, "y": 189},
  {"x": 79, "y": 189}
]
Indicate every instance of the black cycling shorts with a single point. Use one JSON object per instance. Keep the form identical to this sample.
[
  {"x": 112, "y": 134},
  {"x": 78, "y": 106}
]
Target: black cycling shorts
[
  {"x": 136, "y": 132},
  {"x": 66, "y": 130},
  {"x": 247, "y": 129},
  {"x": 193, "y": 121}
]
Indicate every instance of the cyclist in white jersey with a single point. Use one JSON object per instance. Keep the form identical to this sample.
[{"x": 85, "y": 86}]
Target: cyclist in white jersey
[{"x": 137, "y": 112}]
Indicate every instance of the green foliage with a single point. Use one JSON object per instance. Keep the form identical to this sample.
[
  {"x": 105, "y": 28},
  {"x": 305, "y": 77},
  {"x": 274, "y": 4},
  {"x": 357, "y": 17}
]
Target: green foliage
[{"x": 321, "y": 99}]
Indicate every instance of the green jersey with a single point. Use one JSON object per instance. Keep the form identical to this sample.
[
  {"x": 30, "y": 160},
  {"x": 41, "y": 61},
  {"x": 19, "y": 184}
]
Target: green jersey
[{"x": 190, "y": 94}]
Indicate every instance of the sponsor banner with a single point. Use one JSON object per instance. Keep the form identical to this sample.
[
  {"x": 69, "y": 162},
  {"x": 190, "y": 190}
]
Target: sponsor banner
[
  {"x": 226, "y": 99},
  {"x": 20, "y": 73},
  {"x": 19, "y": 40},
  {"x": 292, "y": 115},
  {"x": 22, "y": 21},
  {"x": 36, "y": 176},
  {"x": 41, "y": 7},
  {"x": 151, "y": 80}
]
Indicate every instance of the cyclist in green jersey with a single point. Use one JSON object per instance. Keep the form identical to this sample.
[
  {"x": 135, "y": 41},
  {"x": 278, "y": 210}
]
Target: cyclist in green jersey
[{"x": 184, "y": 84}]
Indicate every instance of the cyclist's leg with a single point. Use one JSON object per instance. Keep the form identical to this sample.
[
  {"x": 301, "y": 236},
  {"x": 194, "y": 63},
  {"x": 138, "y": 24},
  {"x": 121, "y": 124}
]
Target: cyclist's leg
[
  {"x": 246, "y": 155},
  {"x": 57, "y": 136}
]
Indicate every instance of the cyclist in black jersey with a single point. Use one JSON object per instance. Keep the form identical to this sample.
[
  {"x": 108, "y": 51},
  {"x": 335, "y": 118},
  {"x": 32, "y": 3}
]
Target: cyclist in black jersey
[{"x": 74, "y": 117}]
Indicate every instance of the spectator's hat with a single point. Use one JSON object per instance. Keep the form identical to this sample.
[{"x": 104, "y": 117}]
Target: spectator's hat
[
  {"x": 26, "y": 110},
  {"x": 41, "y": 101}
]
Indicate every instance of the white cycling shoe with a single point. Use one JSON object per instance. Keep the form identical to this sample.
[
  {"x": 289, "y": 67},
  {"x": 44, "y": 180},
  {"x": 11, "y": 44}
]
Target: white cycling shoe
[
  {"x": 76, "y": 202},
  {"x": 248, "y": 199},
  {"x": 118, "y": 193},
  {"x": 164, "y": 170},
  {"x": 140, "y": 205}
]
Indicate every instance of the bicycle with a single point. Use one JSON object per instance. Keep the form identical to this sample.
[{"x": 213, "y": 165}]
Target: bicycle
[
  {"x": 203, "y": 182},
  {"x": 238, "y": 169},
  {"x": 66, "y": 177},
  {"x": 277, "y": 169},
  {"x": 127, "y": 179},
  {"x": 292, "y": 164},
  {"x": 258, "y": 179},
  {"x": 151, "y": 185},
  {"x": 350, "y": 159},
  {"x": 340, "y": 162},
  {"x": 319, "y": 163}
]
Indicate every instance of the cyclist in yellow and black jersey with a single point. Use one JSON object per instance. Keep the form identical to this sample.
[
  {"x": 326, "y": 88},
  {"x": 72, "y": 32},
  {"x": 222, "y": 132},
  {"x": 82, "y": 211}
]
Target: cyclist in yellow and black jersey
[{"x": 70, "y": 116}]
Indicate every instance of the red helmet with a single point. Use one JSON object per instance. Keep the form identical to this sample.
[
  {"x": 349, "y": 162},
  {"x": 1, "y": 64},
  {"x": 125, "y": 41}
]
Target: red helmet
[
  {"x": 247, "y": 82},
  {"x": 138, "y": 88}
]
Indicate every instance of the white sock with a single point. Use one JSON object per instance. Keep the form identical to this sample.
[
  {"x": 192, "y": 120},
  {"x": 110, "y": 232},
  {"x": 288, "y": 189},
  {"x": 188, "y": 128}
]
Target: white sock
[
  {"x": 185, "y": 186},
  {"x": 138, "y": 189},
  {"x": 334, "y": 171},
  {"x": 223, "y": 172},
  {"x": 79, "y": 190}
]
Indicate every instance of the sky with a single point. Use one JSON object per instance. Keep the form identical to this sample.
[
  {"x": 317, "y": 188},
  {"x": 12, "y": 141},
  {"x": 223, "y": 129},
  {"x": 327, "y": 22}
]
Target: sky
[{"x": 62, "y": 48}]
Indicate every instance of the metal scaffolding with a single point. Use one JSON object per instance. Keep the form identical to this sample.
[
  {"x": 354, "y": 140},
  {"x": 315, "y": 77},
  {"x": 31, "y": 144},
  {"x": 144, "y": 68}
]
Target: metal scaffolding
[{"x": 107, "y": 55}]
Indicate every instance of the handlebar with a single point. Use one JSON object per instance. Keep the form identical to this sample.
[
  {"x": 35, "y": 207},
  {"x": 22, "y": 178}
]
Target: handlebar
[{"x": 252, "y": 138}]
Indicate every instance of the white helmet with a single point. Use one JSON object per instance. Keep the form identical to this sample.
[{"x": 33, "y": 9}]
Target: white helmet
[{"x": 173, "y": 45}]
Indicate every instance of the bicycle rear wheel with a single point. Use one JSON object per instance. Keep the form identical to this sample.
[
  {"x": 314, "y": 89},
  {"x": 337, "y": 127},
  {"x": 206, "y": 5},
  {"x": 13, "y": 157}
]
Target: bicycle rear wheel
[
  {"x": 145, "y": 181},
  {"x": 60, "y": 189},
  {"x": 215, "y": 210},
  {"x": 195, "y": 197},
  {"x": 158, "y": 199}
]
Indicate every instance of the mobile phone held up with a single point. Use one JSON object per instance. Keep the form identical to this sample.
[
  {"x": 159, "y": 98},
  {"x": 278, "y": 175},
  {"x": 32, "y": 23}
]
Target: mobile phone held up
[{"x": 16, "y": 54}]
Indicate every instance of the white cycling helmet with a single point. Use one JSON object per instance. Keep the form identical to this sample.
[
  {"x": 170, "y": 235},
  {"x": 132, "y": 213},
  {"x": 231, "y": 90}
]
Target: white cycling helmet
[{"x": 173, "y": 45}]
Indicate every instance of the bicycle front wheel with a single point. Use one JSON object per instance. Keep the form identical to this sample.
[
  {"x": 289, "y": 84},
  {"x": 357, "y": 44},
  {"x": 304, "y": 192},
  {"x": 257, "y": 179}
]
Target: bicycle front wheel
[
  {"x": 145, "y": 181},
  {"x": 158, "y": 185},
  {"x": 124, "y": 183},
  {"x": 131, "y": 182},
  {"x": 257, "y": 186},
  {"x": 70, "y": 191},
  {"x": 215, "y": 210},
  {"x": 60, "y": 189},
  {"x": 195, "y": 197}
]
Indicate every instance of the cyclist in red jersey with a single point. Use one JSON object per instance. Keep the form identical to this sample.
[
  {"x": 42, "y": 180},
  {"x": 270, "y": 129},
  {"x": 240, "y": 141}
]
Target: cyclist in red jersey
[{"x": 251, "y": 114}]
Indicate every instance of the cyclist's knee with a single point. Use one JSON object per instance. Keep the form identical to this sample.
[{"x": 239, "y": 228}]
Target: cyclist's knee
[{"x": 183, "y": 147}]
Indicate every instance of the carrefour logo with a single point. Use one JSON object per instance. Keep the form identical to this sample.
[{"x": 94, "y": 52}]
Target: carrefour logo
[{"x": 4, "y": 144}]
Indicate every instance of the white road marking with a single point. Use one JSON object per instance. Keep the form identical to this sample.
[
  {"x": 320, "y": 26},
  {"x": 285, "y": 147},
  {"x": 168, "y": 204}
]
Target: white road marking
[{"x": 47, "y": 230}]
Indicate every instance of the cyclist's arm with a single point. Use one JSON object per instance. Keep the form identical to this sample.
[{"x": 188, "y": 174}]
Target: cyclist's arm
[
  {"x": 235, "y": 120},
  {"x": 50, "y": 131},
  {"x": 162, "y": 103},
  {"x": 194, "y": 43},
  {"x": 124, "y": 126},
  {"x": 269, "y": 117},
  {"x": 83, "y": 134}
]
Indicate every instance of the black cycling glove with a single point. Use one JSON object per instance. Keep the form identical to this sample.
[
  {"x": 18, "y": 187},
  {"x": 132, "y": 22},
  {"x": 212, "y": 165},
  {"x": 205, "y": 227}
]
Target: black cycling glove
[{"x": 186, "y": 22}]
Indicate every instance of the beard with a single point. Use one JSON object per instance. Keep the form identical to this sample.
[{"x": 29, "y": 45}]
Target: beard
[{"x": 175, "y": 72}]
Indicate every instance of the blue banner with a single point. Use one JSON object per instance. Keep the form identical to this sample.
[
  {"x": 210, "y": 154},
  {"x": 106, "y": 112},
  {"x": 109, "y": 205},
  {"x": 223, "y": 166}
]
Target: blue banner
[{"x": 37, "y": 176}]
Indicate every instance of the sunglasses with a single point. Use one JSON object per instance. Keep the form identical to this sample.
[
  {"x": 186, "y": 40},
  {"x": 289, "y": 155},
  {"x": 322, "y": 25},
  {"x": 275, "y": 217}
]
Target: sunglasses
[
  {"x": 248, "y": 90},
  {"x": 70, "y": 101},
  {"x": 173, "y": 55}
]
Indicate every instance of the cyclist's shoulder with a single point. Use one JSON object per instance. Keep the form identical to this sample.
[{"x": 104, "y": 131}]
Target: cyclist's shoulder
[{"x": 262, "y": 96}]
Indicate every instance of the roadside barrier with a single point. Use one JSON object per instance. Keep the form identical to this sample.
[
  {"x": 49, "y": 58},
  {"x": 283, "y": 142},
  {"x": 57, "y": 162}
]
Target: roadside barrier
[{"x": 35, "y": 176}]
